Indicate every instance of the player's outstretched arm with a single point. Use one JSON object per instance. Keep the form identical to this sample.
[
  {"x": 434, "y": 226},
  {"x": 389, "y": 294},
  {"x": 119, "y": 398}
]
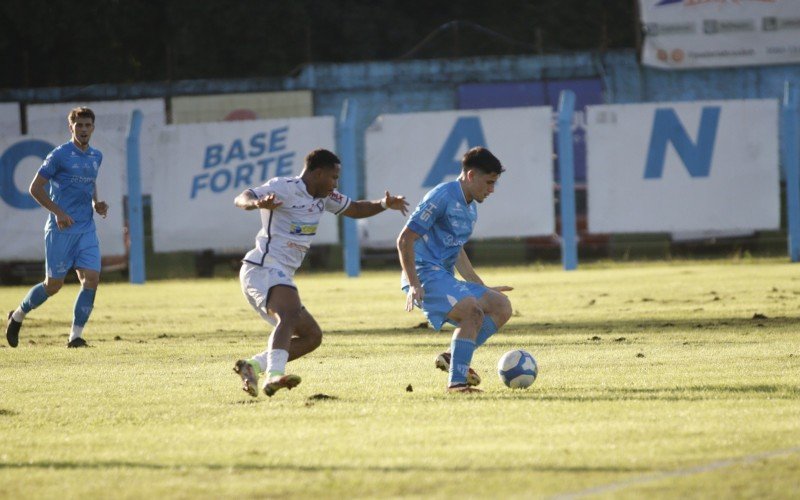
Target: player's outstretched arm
[
  {"x": 247, "y": 200},
  {"x": 366, "y": 208}
]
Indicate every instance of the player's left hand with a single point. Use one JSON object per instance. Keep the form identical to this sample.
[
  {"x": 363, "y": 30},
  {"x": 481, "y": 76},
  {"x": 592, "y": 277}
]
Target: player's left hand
[
  {"x": 502, "y": 288},
  {"x": 414, "y": 297},
  {"x": 396, "y": 203},
  {"x": 101, "y": 208}
]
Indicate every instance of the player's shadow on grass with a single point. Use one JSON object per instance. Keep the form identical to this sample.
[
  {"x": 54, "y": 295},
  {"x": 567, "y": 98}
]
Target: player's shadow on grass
[
  {"x": 456, "y": 468},
  {"x": 603, "y": 326},
  {"x": 687, "y": 393},
  {"x": 659, "y": 325}
]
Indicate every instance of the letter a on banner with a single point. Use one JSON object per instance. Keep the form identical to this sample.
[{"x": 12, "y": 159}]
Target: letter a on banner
[
  {"x": 696, "y": 157},
  {"x": 467, "y": 129}
]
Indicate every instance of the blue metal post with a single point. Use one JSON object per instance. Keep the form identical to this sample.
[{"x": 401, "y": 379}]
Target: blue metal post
[
  {"x": 135, "y": 214},
  {"x": 346, "y": 145},
  {"x": 566, "y": 169},
  {"x": 790, "y": 116}
]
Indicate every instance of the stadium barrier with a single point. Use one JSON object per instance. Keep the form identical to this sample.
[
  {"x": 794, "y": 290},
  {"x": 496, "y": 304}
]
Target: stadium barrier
[
  {"x": 649, "y": 171},
  {"x": 790, "y": 128}
]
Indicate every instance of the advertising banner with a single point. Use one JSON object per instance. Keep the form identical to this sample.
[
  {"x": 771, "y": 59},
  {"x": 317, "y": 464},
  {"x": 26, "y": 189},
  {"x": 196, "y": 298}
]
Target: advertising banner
[
  {"x": 110, "y": 117},
  {"x": 683, "y": 34},
  {"x": 22, "y": 219},
  {"x": 9, "y": 119},
  {"x": 409, "y": 154},
  {"x": 250, "y": 106},
  {"x": 540, "y": 93},
  {"x": 683, "y": 167},
  {"x": 203, "y": 167}
]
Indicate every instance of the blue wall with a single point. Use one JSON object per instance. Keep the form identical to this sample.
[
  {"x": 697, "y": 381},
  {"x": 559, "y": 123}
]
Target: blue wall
[
  {"x": 399, "y": 87},
  {"x": 432, "y": 85},
  {"x": 627, "y": 82}
]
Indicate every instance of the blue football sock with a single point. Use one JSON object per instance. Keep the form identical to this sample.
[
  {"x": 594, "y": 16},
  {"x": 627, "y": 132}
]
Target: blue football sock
[
  {"x": 461, "y": 350},
  {"x": 83, "y": 306},
  {"x": 36, "y": 297},
  {"x": 488, "y": 328}
]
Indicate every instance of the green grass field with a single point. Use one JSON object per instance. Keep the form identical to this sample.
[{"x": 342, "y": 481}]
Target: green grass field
[{"x": 656, "y": 380}]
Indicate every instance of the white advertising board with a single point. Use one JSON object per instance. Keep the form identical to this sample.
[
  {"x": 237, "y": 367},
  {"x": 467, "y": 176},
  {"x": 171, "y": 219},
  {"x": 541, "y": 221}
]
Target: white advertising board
[
  {"x": 110, "y": 116},
  {"x": 683, "y": 34},
  {"x": 22, "y": 220},
  {"x": 205, "y": 166},
  {"x": 409, "y": 154},
  {"x": 683, "y": 167},
  {"x": 9, "y": 119}
]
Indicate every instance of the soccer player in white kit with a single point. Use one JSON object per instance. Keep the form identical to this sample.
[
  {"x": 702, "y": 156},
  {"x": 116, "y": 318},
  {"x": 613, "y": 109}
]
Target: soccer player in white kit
[{"x": 291, "y": 208}]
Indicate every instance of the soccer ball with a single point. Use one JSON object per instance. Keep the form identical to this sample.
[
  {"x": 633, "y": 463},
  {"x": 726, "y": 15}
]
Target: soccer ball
[{"x": 517, "y": 369}]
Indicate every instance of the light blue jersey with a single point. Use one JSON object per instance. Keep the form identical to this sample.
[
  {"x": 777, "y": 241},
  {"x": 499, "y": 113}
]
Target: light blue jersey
[
  {"x": 444, "y": 220},
  {"x": 72, "y": 174}
]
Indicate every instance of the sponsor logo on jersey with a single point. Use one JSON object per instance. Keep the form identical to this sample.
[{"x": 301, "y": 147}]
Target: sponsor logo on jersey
[
  {"x": 303, "y": 228},
  {"x": 427, "y": 211},
  {"x": 80, "y": 179},
  {"x": 296, "y": 246}
]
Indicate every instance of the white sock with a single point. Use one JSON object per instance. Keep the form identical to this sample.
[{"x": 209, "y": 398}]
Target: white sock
[
  {"x": 18, "y": 315},
  {"x": 76, "y": 332},
  {"x": 262, "y": 359},
  {"x": 276, "y": 362}
]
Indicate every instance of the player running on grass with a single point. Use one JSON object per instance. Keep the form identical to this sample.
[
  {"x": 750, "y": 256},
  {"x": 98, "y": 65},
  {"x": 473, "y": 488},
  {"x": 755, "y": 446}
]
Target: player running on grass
[
  {"x": 291, "y": 208},
  {"x": 70, "y": 239},
  {"x": 431, "y": 246}
]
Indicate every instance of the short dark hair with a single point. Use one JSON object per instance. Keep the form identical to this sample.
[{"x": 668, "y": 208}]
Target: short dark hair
[
  {"x": 482, "y": 159},
  {"x": 321, "y": 158},
  {"x": 80, "y": 112}
]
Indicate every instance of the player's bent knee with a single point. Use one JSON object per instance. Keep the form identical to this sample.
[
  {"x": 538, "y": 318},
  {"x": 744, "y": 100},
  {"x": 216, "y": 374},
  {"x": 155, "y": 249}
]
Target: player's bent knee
[
  {"x": 52, "y": 287},
  {"x": 91, "y": 283},
  {"x": 315, "y": 339},
  {"x": 504, "y": 311},
  {"x": 469, "y": 312}
]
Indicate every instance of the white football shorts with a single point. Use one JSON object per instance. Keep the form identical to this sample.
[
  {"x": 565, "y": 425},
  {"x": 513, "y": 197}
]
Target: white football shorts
[{"x": 256, "y": 282}]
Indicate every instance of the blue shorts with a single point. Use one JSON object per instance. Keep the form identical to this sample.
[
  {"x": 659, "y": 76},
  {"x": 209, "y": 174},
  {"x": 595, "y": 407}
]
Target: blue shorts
[
  {"x": 64, "y": 251},
  {"x": 442, "y": 292}
]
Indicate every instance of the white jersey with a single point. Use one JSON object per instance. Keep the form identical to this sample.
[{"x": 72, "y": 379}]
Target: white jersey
[{"x": 287, "y": 230}]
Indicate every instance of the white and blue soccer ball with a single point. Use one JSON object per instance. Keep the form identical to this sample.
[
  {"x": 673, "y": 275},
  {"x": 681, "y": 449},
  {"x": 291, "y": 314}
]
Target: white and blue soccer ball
[{"x": 517, "y": 369}]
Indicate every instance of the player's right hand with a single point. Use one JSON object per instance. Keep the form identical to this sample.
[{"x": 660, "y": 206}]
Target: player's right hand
[
  {"x": 268, "y": 202},
  {"x": 63, "y": 221},
  {"x": 414, "y": 297}
]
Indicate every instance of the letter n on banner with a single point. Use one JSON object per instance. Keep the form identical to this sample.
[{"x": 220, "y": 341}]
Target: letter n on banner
[{"x": 667, "y": 128}]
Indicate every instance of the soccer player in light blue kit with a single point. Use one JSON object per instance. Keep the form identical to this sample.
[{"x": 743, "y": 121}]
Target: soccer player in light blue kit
[
  {"x": 431, "y": 247},
  {"x": 70, "y": 238}
]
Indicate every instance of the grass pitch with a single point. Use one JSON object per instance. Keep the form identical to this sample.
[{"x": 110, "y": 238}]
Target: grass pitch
[{"x": 657, "y": 380}]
